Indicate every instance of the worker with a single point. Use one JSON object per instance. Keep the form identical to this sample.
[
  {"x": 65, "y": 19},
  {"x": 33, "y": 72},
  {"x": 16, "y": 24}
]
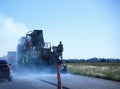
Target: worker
[
  {"x": 60, "y": 49},
  {"x": 25, "y": 58}
]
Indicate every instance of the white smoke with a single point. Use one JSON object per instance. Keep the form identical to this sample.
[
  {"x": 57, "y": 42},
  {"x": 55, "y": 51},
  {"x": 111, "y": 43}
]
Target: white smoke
[{"x": 10, "y": 32}]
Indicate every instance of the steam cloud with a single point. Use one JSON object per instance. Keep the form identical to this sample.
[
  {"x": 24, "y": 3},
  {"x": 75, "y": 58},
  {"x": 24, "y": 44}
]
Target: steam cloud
[{"x": 10, "y": 32}]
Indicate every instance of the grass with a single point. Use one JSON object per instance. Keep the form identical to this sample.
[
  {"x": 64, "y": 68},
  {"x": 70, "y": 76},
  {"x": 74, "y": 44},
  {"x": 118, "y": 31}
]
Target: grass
[{"x": 102, "y": 70}]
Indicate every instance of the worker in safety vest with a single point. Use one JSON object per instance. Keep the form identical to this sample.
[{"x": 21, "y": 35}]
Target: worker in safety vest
[{"x": 25, "y": 58}]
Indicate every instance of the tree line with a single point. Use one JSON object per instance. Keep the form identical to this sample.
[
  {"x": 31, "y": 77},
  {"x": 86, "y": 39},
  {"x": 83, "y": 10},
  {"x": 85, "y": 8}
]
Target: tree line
[{"x": 95, "y": 59}]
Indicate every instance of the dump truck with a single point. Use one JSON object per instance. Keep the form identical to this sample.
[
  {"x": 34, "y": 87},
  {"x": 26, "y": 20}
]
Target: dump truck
[{"x": 35, "y": 54}]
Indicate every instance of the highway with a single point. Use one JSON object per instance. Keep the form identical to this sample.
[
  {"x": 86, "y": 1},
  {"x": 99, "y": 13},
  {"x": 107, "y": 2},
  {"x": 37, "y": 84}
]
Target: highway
[{"x": 48, "y": 81}]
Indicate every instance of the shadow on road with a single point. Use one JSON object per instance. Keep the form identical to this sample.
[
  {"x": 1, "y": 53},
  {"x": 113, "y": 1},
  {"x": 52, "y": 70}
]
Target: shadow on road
[
  {"x": 2, "y": 81},
  {"x": 52, "y": 83}
]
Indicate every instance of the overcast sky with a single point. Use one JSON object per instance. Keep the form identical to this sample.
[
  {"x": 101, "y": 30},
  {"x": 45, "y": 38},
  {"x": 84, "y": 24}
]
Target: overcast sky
[{"x": 87, "y": 28}]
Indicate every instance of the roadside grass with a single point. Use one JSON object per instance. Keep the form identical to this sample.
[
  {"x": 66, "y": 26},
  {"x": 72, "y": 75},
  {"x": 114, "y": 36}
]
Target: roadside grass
[{"x": 101, "y": 70}]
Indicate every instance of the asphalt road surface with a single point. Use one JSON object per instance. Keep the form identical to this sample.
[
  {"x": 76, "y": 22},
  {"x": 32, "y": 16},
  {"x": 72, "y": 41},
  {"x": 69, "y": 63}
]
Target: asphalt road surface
[{"x": 48, "y": 81}]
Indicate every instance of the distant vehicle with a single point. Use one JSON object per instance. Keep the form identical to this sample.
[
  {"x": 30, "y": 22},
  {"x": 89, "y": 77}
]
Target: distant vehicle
[{"x": 5, "y": 71}]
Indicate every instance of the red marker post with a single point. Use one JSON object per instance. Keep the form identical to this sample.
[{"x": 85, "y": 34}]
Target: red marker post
[{"x": 58, "y": 75}]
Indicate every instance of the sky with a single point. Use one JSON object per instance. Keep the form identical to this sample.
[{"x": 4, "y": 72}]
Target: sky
[{"x": 87, "y": 28}]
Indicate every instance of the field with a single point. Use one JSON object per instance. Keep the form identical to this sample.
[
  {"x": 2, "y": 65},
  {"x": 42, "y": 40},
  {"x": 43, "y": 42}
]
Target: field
[{"x": 102, "y": 70}]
